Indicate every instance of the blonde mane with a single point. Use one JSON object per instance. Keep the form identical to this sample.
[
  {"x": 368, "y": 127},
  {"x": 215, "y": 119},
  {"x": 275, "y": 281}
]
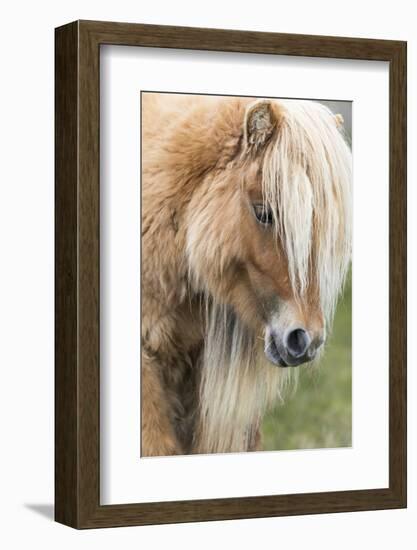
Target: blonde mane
[
  {"x": 307, "y": 185},
  {"x": 237, "y": 385}
]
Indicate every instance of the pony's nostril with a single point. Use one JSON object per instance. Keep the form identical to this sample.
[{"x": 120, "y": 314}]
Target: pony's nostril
[{"x": 297, "y": 342}]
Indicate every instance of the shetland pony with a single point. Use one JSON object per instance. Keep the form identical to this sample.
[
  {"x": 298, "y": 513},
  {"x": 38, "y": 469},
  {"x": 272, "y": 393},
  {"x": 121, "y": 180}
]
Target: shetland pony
[{"x": 246, "y": 241}]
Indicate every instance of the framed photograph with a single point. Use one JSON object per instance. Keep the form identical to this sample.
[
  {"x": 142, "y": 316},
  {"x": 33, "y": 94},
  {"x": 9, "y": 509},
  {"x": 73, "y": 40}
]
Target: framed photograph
[{"x": 230, "y": 274}]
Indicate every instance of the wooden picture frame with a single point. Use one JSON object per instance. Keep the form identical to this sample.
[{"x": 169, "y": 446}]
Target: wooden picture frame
[{"x": 77, "y": 374}]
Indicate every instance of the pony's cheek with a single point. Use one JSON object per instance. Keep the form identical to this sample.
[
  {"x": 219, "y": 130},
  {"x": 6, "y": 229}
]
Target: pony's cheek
[{"x": 271, "y": 284}]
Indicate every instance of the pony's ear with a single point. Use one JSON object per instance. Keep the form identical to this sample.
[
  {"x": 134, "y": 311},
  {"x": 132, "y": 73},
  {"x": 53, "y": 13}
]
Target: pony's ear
[
  {"x": 260, "y": 121},
  {"x": 339, "y": 120}
]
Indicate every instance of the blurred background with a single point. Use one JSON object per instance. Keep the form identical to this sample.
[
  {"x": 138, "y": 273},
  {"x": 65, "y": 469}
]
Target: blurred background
[
  {"x": 318, "y": 413},
  {"x": 343, "y": 108}
]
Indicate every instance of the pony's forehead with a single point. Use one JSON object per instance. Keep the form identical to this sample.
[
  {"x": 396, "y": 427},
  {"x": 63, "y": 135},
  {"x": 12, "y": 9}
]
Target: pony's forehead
[{"x": 252, "y": 176}]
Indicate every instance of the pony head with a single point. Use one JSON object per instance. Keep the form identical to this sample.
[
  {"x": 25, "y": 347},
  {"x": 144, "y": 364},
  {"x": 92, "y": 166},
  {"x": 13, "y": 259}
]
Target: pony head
[{"x": 269, "y": 229}]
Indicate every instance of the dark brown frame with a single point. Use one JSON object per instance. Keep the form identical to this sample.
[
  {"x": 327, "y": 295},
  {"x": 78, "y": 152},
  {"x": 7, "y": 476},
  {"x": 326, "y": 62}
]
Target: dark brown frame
[{"x": 77, "y": 274}]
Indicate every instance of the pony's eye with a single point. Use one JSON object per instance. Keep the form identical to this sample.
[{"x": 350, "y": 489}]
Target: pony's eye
[{"x": 263, "y": 214}]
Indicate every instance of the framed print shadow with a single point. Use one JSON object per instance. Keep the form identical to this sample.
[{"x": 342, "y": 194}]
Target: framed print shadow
[{"x": 237, "y": 199}]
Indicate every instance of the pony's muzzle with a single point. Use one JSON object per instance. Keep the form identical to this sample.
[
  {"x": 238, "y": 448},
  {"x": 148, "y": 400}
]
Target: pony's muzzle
[{"x": 295, "y": 347}]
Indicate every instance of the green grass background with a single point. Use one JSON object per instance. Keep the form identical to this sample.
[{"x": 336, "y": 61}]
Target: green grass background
[{"x": 319, "y": 413}]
